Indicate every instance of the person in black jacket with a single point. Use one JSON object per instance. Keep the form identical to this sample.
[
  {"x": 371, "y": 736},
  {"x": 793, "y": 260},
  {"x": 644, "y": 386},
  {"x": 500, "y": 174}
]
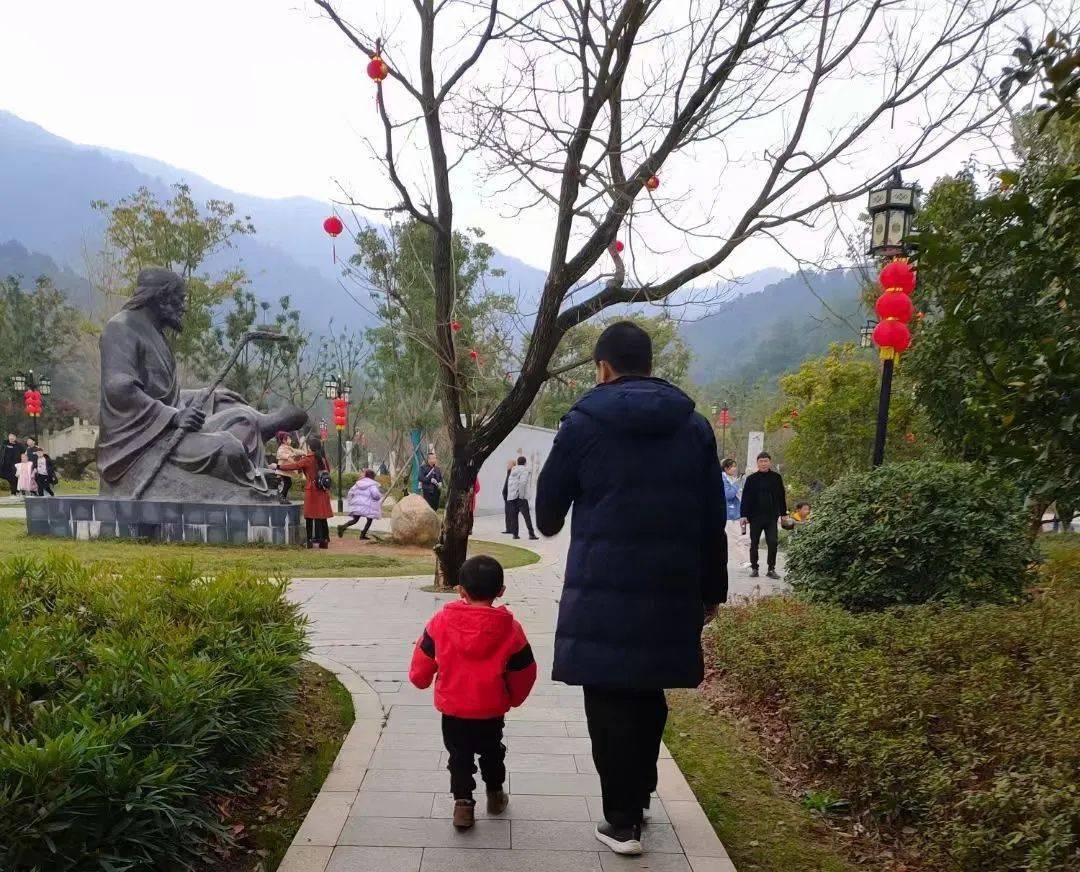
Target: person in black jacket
[
  {"x": 13, "y": 451},
  {"x": 763, "y": 503},
  {"x": 431, "y": 481},
  {"x": 647, "y": 565}
]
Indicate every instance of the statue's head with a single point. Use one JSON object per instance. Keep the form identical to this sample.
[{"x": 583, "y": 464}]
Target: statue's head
[{"x": 164, "y": 293}]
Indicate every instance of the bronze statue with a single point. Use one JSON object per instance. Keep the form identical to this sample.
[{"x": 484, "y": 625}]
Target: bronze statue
[{"x": 161, "y": 443}]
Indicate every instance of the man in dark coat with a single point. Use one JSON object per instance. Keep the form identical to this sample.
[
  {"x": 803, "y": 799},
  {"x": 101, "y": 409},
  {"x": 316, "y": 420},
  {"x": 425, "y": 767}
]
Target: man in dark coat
[
  {"x": 647, "y": 565},
  {"x": 763, "y": 503},
  {"x": 431, "y": 481},
  {"x": 13, "y": 451}
]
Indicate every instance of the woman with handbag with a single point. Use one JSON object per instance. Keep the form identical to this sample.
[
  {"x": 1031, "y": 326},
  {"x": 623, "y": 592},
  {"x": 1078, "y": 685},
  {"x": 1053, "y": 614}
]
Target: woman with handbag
[{"x": 317, "y": 482}]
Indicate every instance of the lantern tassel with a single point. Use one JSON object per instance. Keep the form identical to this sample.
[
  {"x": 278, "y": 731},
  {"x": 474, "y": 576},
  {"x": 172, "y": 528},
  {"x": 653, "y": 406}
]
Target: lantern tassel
[{"x": 333, "y": 249}]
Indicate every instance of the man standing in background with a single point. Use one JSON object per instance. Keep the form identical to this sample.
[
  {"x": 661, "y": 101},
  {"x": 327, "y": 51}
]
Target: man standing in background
[
  {"x": 13, "y": 451},
  {"x": 763, "y": 504},
  {"x": 431, "y": 481},
  {"x": 518, "y": 490}
]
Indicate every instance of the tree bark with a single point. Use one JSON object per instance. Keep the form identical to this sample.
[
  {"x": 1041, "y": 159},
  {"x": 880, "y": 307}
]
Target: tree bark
[{"x": 457, "y": 522}]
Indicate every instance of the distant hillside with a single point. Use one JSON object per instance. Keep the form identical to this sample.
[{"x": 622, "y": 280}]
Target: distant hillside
[
  {"x": 16, "y": 260},
  {"x": 769, "y": 332},
  {"x": 48, "y": 183}
]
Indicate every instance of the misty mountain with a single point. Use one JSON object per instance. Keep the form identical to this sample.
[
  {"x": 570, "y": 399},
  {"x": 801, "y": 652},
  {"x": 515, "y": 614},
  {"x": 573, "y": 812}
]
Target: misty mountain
[
  {"x": 763, "y": 334},
  {"x": 48, "y": 182}
]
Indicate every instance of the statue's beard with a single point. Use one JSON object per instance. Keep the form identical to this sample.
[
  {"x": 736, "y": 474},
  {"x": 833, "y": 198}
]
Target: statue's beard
[{"x": 170, "y": 315}]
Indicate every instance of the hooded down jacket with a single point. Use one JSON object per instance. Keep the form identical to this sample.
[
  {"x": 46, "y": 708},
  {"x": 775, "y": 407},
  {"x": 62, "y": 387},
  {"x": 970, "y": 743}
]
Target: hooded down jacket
[
  {"x": 480, "y": 659},
  {"x": 648, "y": 549},
  {"x": 365, "y": 499}
]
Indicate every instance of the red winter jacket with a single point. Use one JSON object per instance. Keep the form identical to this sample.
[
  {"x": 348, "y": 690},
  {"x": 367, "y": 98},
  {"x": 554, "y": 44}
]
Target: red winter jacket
[{"x": 480, "y": 659}]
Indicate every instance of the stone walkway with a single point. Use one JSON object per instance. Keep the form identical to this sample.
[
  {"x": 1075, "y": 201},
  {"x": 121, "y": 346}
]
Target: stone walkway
[{"x": 385, "y": 806}]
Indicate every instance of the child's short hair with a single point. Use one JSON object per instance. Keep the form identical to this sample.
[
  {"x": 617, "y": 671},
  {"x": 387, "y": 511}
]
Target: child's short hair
[
  {"x": 800, "y": 505},
  {"x": 481, "y": 577}
]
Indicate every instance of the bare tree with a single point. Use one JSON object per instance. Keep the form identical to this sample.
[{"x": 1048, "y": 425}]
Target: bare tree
[{"x": 578, "y": 104}]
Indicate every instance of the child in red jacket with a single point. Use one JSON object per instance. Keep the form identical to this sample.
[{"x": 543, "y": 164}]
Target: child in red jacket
[{"x": 483, "y": 666}]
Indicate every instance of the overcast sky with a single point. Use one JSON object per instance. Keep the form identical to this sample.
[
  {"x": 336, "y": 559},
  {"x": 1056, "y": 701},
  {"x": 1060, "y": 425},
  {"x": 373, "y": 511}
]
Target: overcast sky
[{"x": 258, "y": 96}]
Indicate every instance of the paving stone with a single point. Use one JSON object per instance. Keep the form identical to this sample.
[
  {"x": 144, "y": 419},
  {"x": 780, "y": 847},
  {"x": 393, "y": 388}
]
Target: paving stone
[
  {"x": 576, "y": 836},
  {"x": 305, "y": 858},
  {"x": 347, "y": 859},
  {"x": 546, "y": 713},
  {"x": 387, "y": 803},
  {"x": 535, "y": 728},
  {"x": 695, "y": 832},
  {"x": 577, "y": 729},
  {"x": 554, "y": 784},
  {"x": 529, "y": 762},
  {"x": 459, "y": 860},
  {"x": 672, "y": 784},
  {"x": 548, "y": 745},
  {"x": 410, "y": 742},
  {"x": 711, "y": 864},
  {"x": 423, "y": 833},
  {"x": 325, "y": 818},
  {"x": 648, "y": 862},
  {"x": 585, "y": 764},
  {"x": 406, "y": 759},
  {"x": 530, "y": 808},
  {"x": 406, "y": 780}
]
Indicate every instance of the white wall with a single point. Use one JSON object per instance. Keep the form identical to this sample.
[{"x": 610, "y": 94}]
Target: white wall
[{"x": 533, "y": 442}]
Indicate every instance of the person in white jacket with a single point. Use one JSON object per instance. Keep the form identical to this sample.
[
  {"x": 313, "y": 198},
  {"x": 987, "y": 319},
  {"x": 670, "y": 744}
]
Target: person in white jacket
[{"x": 518, "y": 491}]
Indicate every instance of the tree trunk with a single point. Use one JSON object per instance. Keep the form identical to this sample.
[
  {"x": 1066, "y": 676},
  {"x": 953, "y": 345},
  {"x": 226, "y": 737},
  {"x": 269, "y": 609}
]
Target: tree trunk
[
  {"x": 1038, "y": 508},
  {"x": 457, "y": 524}
]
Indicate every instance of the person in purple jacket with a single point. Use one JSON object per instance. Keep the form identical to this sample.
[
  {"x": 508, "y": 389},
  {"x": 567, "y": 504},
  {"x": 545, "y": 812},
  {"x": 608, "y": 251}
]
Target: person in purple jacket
[{"x": 364, "y": 501}]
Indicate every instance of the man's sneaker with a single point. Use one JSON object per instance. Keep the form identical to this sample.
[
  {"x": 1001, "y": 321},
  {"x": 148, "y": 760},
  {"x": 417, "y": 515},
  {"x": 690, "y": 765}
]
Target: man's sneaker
[
  {"x": 772, "y": 574},
  {"x": 621, "y": 840},
  {"x": 753, "y": 572},
  {"x": 497, "y": 801},
  {"x": 463, "y": 814}
]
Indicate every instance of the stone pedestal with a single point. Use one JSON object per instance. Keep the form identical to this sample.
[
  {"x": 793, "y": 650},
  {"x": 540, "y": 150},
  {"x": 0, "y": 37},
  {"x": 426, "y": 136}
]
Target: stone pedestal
[{"x": 162, "y": 521}]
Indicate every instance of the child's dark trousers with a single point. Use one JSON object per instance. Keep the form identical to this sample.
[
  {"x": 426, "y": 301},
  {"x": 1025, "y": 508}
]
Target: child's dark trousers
[{"x": 467, "y": 739}]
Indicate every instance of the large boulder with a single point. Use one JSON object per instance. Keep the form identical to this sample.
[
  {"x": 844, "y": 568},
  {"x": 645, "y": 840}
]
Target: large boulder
[{"x": 413, "y": 522}]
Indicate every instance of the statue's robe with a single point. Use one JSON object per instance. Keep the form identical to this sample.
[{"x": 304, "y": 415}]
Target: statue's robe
[{"x": 139, "y": 400}]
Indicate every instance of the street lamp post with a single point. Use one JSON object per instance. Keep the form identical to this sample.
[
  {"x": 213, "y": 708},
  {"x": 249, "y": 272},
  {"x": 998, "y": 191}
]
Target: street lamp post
[
  {"x": 337, "y": 391},
  {"x": 891, "y": 210},
  {"x": 32, "y": 391},
  {"x": 725, "y": 421}
]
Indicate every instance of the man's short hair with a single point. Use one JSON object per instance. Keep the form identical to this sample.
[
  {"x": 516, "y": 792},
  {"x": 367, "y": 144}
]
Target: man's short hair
[
  {"x": 727, "y": 463},
  {"x": 626, "y": 347},
  {"x": 764, "y": 456},
  {"x": 481, "y": 577},
  {"x": 521, "y": 461}
]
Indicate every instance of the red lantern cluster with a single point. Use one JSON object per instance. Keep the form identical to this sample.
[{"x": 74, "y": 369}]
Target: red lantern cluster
[
  {"x": 377, "y": 69},
  {"x": 724, "y": 418},
  {"x": 341, "y": 413},
  {"x": 910, "y": 438},
  {"x": 894, "y": 307},
  {"x": 32, "y": 400},
  {"x": 652, "y": 182}
]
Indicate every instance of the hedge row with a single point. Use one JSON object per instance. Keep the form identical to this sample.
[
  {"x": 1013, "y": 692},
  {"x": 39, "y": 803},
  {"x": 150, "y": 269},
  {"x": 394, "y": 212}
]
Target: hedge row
[
  {"x": 126, "y": 701},
  {"x": 963, "y": 723}
]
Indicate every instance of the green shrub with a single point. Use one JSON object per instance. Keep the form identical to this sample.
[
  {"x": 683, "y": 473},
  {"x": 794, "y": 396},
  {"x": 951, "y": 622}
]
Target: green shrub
[
  {"x": 963, "y": 722},
  {"x": 913, "y": 533},
  {"x": 126, "y": 701}
]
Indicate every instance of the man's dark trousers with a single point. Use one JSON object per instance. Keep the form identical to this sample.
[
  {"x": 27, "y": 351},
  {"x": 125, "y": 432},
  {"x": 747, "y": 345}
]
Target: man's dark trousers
[
  {"x": 509, "y": 513},
  {"x": 467, "y": 739},
  {"x": 768, "y": 527},
  {"x": 626, "y": 728},
  {"x": 432, "y": 497},
  {"x": 522, "y": 507}
]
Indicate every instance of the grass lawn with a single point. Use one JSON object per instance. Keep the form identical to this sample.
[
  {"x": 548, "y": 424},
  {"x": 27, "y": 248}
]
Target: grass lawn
[
  {"x": 266, "y": 820},
  {"x": 345, "y": 559},
  {"x": 761, "y": 827}
]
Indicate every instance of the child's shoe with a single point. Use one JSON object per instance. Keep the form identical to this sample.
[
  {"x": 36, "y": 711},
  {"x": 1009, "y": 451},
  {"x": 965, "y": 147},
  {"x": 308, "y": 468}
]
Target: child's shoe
[
  {"x": 497, "y": 801},
  {"x": 463, "y": 814}
]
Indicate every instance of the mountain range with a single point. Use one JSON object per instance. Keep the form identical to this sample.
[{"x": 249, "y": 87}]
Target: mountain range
[{"x": 47, "y": 226}]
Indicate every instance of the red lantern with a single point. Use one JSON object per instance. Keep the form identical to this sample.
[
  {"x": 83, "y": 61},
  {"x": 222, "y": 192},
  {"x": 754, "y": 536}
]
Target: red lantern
[
  {"x": 909, "y": 437},
  {"x": 474, "y": 354},
  {"x": 898, "y": 276},
  {"x": 895, "y": 304},
  {"x": 341, "y": 412},
  {"x": 787, "y": 425},
  {"x": 893, "y": 335},
  {"x": 333, "y": 227},
  {"x": 794, "y": 413},
  {"x": 652, "y": 182},
  {"x": 920, "y": 315},
  {"x": 455, "y": 326},
  {"x": 618, "y": 245},
  {"x": 377, "y": 69}
]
